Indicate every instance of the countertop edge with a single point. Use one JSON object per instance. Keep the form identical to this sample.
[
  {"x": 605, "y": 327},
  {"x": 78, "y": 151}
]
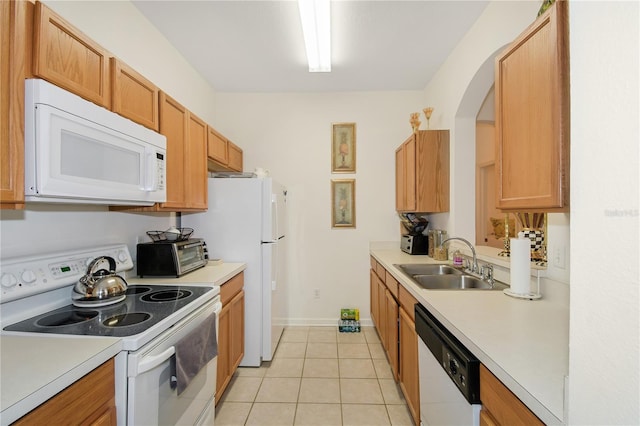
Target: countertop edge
[
  {"x": 38, "y": 397},
  {"x": 520, "y": 391}
]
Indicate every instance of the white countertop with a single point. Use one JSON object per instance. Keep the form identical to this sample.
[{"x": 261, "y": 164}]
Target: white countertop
[
  {"x": 36, "y": 366},
  {"x": 524, "y": 343},
  {"x": 211, "y": 274}
]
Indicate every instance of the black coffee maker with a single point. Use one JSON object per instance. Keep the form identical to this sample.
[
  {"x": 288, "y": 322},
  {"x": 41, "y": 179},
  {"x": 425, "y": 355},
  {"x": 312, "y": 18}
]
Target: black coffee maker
[{"x": 414, "y": 241}]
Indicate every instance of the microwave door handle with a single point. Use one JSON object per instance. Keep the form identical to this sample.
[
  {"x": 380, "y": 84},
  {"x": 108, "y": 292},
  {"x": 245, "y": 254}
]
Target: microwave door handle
[{"x": 150, "y": 181}]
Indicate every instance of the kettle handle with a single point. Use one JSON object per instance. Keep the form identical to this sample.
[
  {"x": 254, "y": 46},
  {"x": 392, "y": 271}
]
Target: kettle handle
[{"x": 94, "y": 262}]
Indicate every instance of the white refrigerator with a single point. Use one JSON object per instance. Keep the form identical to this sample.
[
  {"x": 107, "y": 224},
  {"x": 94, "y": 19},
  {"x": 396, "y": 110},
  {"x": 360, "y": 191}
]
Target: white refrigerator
[{"x": 246, "y": 222}]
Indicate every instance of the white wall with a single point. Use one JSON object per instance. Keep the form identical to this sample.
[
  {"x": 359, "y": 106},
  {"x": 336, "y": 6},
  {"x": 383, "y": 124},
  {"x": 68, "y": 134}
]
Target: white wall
[
  {"x": 290, "y": 134},
  {"x": 604, "y": 318},
  {"x": 120, "y": 28}
]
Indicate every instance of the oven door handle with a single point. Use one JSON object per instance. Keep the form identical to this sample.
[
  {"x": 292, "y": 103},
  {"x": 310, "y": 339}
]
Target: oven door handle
[{"x": 151, "y": 362}]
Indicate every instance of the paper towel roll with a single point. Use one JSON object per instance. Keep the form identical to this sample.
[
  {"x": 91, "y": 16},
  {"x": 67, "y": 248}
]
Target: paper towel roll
[{"x": 520, "y": 265}]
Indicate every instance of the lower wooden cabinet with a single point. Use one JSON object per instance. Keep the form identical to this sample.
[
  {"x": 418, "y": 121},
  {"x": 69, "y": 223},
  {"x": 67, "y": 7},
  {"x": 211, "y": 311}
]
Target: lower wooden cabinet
[
  {"x": 89, "y": 401},
  {"x": 230, "y": 332},
  {"x": 408, "y": 356},
  {"x": 391, "y": 323},
  {"x": 384, "y": 312},
  {"x": 392, "y": 312},
  {"x": 500, "y": 406}
]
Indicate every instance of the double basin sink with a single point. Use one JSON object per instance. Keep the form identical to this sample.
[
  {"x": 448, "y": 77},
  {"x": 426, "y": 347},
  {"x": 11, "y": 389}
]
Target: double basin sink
[{"x": 445, "y": 277}]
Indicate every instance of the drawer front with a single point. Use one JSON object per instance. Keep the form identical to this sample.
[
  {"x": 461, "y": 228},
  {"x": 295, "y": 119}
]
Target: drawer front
[
  {"x": 381, "y": 271},
  {"x": 230, "y": 288},
  {"x": 392, "y": 284},
  {"x": 408, "y": 302}
]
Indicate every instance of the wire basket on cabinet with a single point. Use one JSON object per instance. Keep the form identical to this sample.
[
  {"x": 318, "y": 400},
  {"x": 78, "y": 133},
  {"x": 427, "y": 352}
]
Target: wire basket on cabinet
[{"x": 162, "y": 236}]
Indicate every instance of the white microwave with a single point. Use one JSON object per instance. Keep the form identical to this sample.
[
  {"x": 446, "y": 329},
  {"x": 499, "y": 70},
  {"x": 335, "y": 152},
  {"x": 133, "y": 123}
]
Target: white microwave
[{"x": 79, "y": 152}]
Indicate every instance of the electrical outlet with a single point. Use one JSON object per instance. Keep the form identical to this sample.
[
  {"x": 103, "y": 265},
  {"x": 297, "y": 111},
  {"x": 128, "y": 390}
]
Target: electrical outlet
[
  {"x": 316, "y": 293},
  {"x": 559, "y": 257}
]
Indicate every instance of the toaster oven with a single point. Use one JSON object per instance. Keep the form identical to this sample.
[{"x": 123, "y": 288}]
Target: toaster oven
[{"x": 170, "y": 258}]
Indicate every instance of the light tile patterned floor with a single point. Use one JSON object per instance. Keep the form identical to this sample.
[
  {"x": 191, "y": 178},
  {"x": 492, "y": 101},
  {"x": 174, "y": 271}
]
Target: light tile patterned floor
[{"x": 318, "y": 376}]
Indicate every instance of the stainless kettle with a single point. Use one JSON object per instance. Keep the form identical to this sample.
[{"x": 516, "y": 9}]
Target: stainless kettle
[{"x": 101, "y": 287}]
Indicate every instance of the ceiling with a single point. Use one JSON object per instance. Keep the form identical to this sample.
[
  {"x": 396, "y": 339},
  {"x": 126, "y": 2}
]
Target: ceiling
[{"x": 257, "y": 46}]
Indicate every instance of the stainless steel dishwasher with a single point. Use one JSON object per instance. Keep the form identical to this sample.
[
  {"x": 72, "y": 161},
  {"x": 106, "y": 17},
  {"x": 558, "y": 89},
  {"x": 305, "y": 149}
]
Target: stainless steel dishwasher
[{"x": 449, "y": 375}]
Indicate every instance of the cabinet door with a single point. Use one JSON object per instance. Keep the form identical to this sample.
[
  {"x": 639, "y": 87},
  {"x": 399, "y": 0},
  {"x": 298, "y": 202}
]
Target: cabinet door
[
  {"x": 406, "y": 175},
  {"x": 133, "y": 96},
  {"x": 223, "y": 375},
  {"x": 374, "y": 298},
  {"x": 235, "y": 157},
  {"x": 409, "y": 380},
  {"x": 486, "y": 419},
  {"x": 532, "y": 117},
  {"x": 504, "y": 406},
  {"x": 217, "y": 146},
  {"x": 400, "y": 183},
  {"x": 410, "y": 174},
  {"x": 237, "y": 326},
  {"x": 173, "y": 124},
  {"x": 382, "y": 312},
  {"x": 431, "y": 159},
  {"x": 66, "y": 57},
  {"x": 392, "y": 332},
  {"x": 13, "y": 64},
  {"x": 195, "y": 179}
]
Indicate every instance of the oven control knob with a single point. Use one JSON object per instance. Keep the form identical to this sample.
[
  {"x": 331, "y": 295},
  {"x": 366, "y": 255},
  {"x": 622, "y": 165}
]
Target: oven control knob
[
  {"x": 28, "y": 277},
  {"x": 122, "y": 256},
  {"x": 8, "y": 280},
  {"x": 453, "y": 366}
]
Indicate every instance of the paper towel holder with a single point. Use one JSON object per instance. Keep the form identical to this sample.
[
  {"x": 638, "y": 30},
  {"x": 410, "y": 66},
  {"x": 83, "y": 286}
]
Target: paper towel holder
[{"x": 529, "y": 296}]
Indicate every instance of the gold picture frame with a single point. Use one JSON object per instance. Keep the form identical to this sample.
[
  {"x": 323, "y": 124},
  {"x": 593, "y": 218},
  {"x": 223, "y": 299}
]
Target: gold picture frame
[
  {"x": 343, "y": 203},
  {"x": 343, "y": 148}
]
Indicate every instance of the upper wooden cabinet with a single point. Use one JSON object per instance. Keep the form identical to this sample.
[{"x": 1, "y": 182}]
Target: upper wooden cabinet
[
  {"x": 222, "y": 154},
  {"x": 235, "y": 156},
  {"x": 217, "y": 146},
  {"x": 15, "y": 31},
  {"x": 422, "y": 172},
  {"x": 195, "y": 181},
  {"x": 67, "y": 58},
  {"x": 532, "y": 117},
  {"x": 133, "y": 96},
  {"x": 186, "y": 157}
]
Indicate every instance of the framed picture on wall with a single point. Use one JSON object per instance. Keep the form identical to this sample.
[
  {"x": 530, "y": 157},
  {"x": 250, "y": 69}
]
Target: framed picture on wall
[
  {"x": 343, "y": 203},
  {"x": 343, "y": 148}
]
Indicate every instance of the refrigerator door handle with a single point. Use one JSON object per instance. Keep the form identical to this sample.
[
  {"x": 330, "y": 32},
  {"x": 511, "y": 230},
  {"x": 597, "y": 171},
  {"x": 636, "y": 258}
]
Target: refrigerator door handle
[{"x": 274, "y": 217}]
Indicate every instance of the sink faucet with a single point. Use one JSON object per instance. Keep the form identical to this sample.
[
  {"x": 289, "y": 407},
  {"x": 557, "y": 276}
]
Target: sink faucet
[{"x": 474, "y": 265}]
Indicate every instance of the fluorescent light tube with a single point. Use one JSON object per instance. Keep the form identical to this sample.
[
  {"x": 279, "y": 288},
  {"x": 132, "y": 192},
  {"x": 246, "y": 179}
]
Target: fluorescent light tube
[{"x": 315, "y": 16}]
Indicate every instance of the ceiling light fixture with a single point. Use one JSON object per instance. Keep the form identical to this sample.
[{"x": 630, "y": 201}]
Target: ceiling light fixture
[{"x": 315, "y": 16}]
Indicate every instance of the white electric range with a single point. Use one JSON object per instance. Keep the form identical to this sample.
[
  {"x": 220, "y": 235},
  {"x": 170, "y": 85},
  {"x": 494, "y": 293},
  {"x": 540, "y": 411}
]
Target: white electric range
[{"x": 151, "y": 321}]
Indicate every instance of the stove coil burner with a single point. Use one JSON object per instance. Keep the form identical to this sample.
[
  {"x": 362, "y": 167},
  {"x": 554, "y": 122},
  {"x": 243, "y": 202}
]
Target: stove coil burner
[
  {"x": 66, "y": 318},
  {"x": 166, "y": 295},
  {"x": 137, "y": 289},
  {"x": 124, "y": 320}
]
